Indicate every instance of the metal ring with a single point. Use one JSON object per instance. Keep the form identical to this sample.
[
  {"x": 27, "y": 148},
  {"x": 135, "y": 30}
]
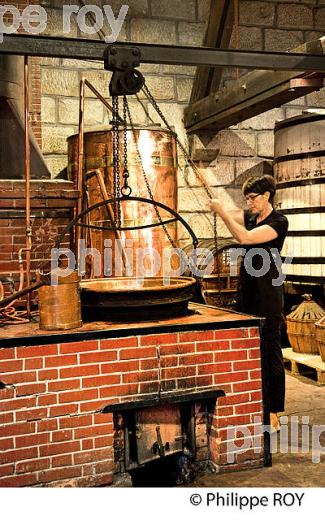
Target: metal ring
[{"x": 126, "y": 191}]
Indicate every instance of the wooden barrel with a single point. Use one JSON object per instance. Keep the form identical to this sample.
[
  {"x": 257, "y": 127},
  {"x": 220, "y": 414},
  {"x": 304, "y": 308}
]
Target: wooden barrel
[
  {"x": 299, "y": 167},
  {"x": 320, "y": 337},
  {"x": 59, "y": 305}
]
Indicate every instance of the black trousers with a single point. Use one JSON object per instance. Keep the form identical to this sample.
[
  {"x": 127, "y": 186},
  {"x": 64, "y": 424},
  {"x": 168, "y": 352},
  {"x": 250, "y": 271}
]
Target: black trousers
[{"x": 272, "y": 366}]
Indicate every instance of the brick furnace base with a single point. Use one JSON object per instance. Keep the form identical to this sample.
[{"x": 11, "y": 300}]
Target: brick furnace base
[{"x": 54, "y": 390}]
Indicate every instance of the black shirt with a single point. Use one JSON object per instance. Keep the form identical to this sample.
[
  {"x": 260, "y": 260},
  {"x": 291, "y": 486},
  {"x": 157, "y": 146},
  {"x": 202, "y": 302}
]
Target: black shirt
[{"x": 259, "y": 295}]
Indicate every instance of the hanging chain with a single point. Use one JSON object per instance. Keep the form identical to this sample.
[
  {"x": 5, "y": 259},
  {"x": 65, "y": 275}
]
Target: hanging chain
[
  {"x": 216, "y": 245},
  {"x": 181, "y": 146},
  {"x": 195, "y": 169},
  {"x": 126, "y": 190},
  {"x": 183, "y": 149},
  {"x": 116, "y": 162},
  {"x": 146, "y": 180}
]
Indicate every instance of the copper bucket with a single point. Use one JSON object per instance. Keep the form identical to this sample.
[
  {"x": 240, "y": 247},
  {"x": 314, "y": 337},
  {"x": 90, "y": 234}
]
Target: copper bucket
[{"x": 59, "y": 305}]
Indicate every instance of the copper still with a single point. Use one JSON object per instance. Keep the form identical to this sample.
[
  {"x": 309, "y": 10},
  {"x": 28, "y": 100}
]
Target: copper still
[{"x": 152, "y": 153}]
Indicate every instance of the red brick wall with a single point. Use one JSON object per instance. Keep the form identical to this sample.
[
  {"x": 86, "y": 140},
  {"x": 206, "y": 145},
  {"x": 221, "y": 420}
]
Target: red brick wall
[
  {"x": 52, "y": 431},
  {"x": 55, "y": 200}
]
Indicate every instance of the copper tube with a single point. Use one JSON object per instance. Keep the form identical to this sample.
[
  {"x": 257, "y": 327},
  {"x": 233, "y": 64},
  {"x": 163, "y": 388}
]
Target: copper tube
[
  {"x": 80, "y": 178},
  {"x": 28, "y": 248},
  {"x": 105, "y": 196},
  {"x": 28, "y": 290},
  {"x": 21, "y": 276},
  {"x": 103, "y": 100}
]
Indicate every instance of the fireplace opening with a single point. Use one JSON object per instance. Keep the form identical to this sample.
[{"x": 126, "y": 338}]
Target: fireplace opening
[
  {"x": 168, "y": 472},
  {"x": 163, "y": 445}
]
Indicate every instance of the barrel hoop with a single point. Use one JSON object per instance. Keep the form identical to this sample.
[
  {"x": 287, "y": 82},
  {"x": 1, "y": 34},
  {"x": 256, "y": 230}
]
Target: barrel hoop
[
  {"x": 301, "y": 182},
  {"x": 298, "y": 156},
  {"x": 297, "y": 211},
  {"x": 305, "y": 278},
  {"x": 315, "y": 260},
  {"x": 307, "y": 233},
  {"x": 287, "y": 123}
]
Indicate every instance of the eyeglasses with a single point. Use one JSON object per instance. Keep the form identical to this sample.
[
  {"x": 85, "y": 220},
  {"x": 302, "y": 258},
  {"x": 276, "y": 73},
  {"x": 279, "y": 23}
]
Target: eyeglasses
[{"x": 251, "y": 198}]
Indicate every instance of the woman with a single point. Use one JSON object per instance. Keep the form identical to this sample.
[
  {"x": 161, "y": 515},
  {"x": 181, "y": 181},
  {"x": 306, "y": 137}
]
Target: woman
[{"x": 261, "y": 227}]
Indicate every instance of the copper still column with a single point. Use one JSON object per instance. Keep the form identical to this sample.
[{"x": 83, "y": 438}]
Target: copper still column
[{"x": 157, "y": 149}]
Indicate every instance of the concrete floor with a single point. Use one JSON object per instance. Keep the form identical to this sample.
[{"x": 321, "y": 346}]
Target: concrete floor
[{"x": 303, "y": 398}]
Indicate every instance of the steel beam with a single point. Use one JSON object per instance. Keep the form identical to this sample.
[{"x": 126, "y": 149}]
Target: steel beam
[{"x": 84, "y": 49}]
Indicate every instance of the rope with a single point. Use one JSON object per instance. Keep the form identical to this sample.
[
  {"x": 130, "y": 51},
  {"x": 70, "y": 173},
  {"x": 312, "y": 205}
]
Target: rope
[
  {"x": 192, "y": 164},
  {"x": 236, "y": 30}
]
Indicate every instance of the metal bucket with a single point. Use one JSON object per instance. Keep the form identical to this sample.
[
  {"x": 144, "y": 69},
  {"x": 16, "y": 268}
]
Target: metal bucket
[{"x": 59, "y": 305}]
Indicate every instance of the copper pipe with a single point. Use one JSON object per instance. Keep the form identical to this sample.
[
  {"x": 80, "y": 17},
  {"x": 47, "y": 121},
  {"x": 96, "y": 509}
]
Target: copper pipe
[
  {"x": 28, "y": 248},
  {"x": 105, "y": 196},
  {"x": 80, "y": 179},
  {"x": 21, "y": 277},
  {"x": 28, "y": 290},
  {"x": 103, "y": 100}
]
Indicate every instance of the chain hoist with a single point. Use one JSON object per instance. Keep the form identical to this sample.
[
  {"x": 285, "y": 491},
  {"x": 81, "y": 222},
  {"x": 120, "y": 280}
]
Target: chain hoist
[
  {"x": 126, "y": 190},
  {"x": 127, "y": 80},
  {"x": 116, "y": 161}
]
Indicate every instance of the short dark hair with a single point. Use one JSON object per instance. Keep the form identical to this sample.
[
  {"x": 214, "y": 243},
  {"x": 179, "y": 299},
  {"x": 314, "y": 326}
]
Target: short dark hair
[{"x": 260, "y": 185}]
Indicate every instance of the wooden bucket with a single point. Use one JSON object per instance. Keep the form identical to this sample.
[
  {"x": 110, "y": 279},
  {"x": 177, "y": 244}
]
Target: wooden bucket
[
  {"x": 299, "y": 168},
  {"x": 320, "y": 337},
  {"x": 59, "y": 305},
  {"x": 301, "y": 326}
]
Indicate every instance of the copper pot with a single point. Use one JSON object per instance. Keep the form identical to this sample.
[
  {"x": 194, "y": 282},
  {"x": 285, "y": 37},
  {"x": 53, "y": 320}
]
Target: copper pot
[
  {"x": 132, "y": 298},
  {"x": 159, "y": 158}
]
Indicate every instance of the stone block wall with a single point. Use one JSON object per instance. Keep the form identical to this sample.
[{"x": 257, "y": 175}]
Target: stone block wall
[{"x": 224, "y": 159}]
